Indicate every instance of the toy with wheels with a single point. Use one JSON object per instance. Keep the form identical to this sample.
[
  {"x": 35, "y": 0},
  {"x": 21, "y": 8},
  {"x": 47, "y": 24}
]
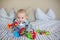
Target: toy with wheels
[{"x": 22, "y": 31}]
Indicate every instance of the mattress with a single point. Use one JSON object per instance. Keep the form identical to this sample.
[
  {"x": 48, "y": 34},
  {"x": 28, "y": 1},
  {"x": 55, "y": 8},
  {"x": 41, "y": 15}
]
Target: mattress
[{"x": 52, "y": 26}]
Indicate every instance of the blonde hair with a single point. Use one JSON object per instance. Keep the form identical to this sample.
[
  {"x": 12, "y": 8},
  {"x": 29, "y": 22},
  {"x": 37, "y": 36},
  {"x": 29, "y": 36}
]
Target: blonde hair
[{"x": 20, "y": 11}]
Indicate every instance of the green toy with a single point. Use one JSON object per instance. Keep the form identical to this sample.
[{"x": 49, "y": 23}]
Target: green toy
[
  {"x": 29, "y": 35},
  {"x": 38, "y": 31},
  {"x": 42, "y": 32},
  {"x": 47, "y": 32}
]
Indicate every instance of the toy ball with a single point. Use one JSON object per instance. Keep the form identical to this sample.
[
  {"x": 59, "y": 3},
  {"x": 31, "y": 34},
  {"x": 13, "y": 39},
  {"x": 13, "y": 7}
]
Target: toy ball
[
  {"x": 47, "y": 32},
  {"x": 16, "y": 34},
  {"x": 22, "y": 31}
]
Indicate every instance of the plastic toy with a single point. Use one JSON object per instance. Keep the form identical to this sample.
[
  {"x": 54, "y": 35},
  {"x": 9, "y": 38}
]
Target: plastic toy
[
  {"x": 47, "y": 32},
  {"x": 9, "y": 26},
  {"x": 31, "y": 35},
  {"x": 42, "y": 32},
  {"x": 38, "y": 31},
  {"x": 22, "y": 31},
  {"x": 12, "y": 25},
  {"x": 16, "y": 34}
]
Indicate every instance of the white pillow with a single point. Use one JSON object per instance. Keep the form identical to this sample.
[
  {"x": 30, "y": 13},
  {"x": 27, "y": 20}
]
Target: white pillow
[
  {"x": 12, "y": 13},
  {"x": 40, "y": 15},
  {"x": 4, "y": 18},
  {"x": 51, "y": 14},
  {"x": 3, "y": 12}
]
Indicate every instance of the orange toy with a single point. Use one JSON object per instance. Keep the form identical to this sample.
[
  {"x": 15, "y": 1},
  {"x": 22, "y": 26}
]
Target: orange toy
[
  {"x": 13, "y": 24},
  {"x": 42, "y": 33},
  {"x": 9, "y": 26}
]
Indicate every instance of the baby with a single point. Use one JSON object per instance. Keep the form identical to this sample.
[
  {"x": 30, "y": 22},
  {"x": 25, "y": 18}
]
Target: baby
[{"x": 22, "y": 20}]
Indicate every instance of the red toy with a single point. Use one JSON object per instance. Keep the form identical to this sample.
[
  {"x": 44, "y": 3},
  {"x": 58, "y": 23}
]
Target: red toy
[
  {"x": 13, "y": 24},
  {"x": 22, "y": 31},
  {"x": 33, "y": 34}
]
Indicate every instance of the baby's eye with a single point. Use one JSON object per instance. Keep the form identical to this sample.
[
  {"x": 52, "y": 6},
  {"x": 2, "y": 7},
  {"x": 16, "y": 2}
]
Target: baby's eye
[
  {"x": 18, "y": 17},
  {"x": 22, "y": 17}
]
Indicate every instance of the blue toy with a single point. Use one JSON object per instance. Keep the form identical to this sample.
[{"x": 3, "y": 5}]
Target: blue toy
[{"x": 16, "y": 34}]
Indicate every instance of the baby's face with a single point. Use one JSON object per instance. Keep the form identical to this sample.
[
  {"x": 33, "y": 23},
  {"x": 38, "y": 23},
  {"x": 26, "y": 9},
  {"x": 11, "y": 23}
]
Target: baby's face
[{"x": 21, "y": 17}]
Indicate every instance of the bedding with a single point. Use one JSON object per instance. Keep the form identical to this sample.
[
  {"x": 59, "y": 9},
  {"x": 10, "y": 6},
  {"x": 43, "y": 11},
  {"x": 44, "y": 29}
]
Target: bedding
[
  {"x": 12, "y": 13},
  {"x": 3, "y": 12},
  {"x": 52, "y": 26},
  {"x": 51, "y": 14},
  {"x": 40, "y": 15}
]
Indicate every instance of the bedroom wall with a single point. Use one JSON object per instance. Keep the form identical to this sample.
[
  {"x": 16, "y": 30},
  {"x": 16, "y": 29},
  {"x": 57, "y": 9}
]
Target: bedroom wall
[{"x": 31, "y": 5}]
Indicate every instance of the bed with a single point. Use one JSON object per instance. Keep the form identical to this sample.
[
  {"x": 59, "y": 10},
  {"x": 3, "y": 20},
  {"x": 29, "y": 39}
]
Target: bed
[{"x": 52, "y": 26}]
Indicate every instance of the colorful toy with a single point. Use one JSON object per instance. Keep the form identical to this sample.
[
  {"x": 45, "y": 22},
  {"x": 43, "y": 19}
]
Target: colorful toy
[
  {"x": 22, "y": 31},
  {"x": 38, "y": 31},
  {"x": 31, "y": 35},
  {"x": 42, "y": 32},
  {"x": 16, "y": 34},
  {"x": 47, "y": 32},
  {"x": 12, "y": 25},
  {"x": 9, "y": 26}
]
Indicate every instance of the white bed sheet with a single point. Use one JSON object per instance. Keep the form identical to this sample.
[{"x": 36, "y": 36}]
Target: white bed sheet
[{"x": 52, "y": 26}]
